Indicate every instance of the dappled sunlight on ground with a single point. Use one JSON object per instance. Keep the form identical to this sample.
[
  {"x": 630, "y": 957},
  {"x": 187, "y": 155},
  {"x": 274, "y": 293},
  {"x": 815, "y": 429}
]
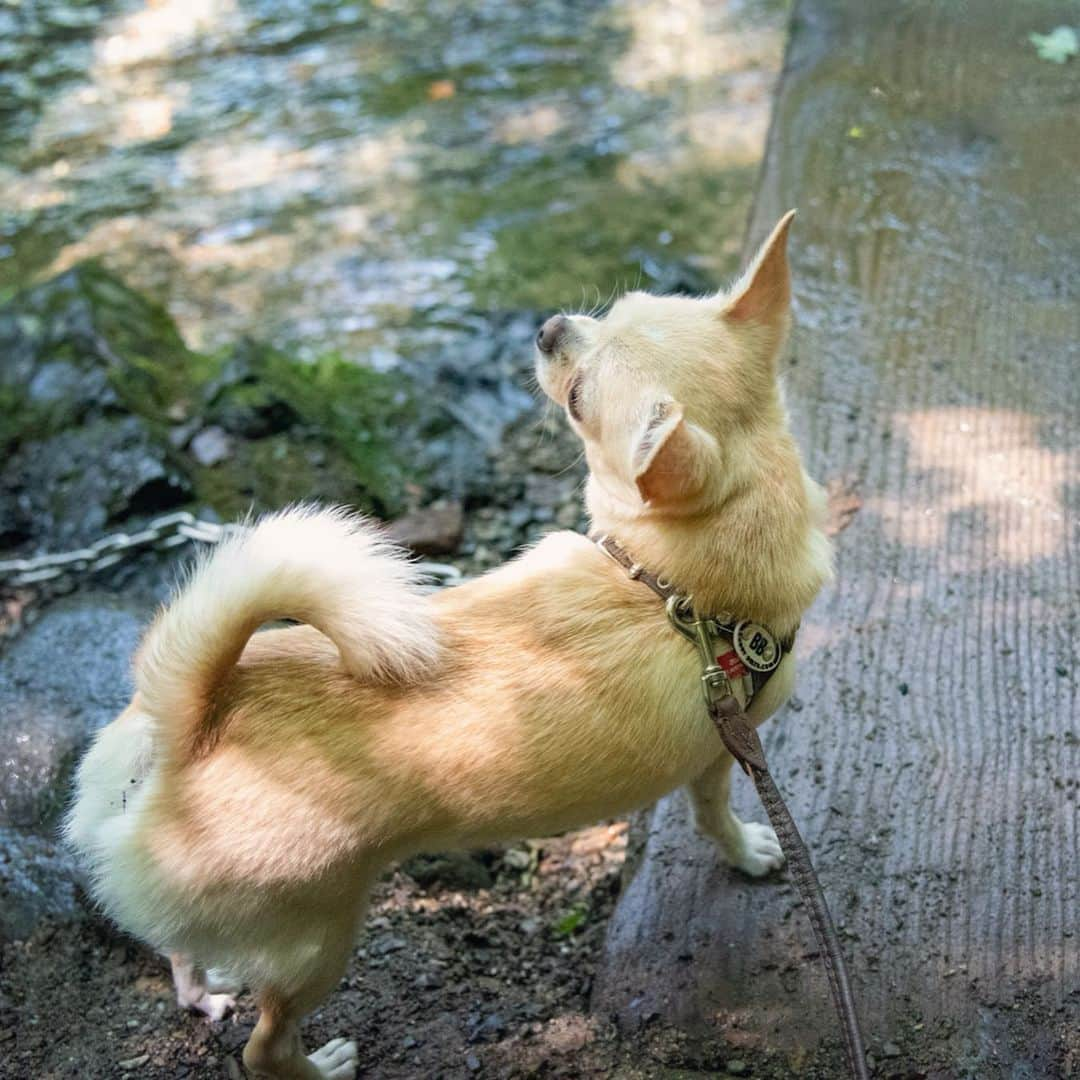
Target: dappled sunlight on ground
[{"x": 991, "y": 462}]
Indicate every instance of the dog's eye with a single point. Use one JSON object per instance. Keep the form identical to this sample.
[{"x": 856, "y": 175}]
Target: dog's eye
[{"x": 573, "y": 400}]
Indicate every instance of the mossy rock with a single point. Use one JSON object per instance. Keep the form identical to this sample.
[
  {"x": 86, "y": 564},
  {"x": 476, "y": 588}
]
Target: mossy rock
[
  {"x": 361, "y": 419},
  {"x": 276, "y": 470},
  {"x": 84, "y": 341},
  {"x": 83, "y": 353}
]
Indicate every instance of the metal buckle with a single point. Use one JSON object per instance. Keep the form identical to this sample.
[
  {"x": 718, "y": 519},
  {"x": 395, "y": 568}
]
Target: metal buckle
[{"x": 715, "y": 684}]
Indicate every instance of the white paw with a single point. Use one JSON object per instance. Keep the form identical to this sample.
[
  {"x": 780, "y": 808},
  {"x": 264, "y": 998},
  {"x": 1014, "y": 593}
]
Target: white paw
[
  {"x": 759, "y": 850},
  {"x": 217, "y": 1006},
  {"x": 337, "y": 1060},
  {"x": 213, "y": 1006}
]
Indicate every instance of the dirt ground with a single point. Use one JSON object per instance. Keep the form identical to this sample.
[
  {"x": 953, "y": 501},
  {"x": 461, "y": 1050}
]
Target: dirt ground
[{"x": 446, "y": 982}]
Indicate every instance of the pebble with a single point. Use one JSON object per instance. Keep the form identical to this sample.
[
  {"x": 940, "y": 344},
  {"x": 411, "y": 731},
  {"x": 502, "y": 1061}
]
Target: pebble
[
  {"x": 434, "y": 530},
  {"x": 738, "y": 1067},
  {"x": 134, "y": 1063},
  {"x": 211, "y": 446},
  {"x": 519, "y": 516},
  {"x": 517, "y": 859},
  {"x": 384, "y": 945}
]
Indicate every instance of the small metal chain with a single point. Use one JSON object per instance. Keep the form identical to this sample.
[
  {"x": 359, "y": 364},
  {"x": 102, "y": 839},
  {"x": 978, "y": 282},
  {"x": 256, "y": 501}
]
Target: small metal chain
[{"x": 162, "y": 533}]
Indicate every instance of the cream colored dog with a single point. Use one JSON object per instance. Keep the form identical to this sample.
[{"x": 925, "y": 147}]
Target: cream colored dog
[{"x": 238, "y": 811}]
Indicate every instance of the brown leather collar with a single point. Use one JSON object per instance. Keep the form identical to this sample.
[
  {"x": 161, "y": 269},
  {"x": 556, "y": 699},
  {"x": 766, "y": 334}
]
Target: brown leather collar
[
  {"x": 611, "y": 547},
  {"x": 660, "y": 585}
]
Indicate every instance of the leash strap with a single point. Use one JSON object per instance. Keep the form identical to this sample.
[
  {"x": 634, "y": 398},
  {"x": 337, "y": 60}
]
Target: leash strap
[
  {"x": 741, "y": 739},
  {"x": 742, "y": 742}
]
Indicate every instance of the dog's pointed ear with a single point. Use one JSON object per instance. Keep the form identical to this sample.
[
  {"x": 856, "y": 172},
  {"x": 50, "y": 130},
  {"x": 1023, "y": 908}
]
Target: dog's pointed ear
[
  {"x": 763, "y": 293},
  {"x": 671, "y": 456}
]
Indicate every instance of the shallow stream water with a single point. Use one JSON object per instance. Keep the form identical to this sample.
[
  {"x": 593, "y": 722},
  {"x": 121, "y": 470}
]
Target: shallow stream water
[{"x": 380, "y": 177}]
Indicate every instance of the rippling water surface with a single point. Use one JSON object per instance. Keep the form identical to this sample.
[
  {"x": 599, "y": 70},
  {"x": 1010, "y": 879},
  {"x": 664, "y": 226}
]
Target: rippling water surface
[{"x": 380, "y": 177}]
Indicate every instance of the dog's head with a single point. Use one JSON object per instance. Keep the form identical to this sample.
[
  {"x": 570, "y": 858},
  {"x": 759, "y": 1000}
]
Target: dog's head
[{"x": 667, "y": 392}]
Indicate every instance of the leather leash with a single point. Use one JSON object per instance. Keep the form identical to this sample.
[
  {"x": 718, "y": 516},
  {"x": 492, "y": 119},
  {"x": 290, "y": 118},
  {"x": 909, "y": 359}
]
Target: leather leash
[{"x": 741, "y": 740}]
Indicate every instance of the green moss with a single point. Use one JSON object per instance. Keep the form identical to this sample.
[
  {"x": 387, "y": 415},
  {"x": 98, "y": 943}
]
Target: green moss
[
  {"x": 151, "y": 369},
  {"x": 362, "y": 412},
  {"x": 18, "y": 418},
  {"x": 92, "y": 321},
  {"x": 327, "y": 429},
  {"x": 571, "y": 922},
  {"x": 361, "y": 419},
  {"x": 271, "y": 472}
]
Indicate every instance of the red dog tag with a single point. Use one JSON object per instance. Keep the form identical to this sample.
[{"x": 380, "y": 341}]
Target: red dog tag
[{"x": 732, "y": 665}]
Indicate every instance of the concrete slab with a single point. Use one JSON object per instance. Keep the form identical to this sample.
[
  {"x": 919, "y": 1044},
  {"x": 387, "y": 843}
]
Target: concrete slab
[{"x": 932, "y": 756}]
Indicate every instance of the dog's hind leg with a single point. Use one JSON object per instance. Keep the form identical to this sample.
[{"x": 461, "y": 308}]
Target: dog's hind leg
[
  {"x": 751, "y": 847},
  {"x": 275, "y": 1050},
  {"x": 192, "y": 991}
]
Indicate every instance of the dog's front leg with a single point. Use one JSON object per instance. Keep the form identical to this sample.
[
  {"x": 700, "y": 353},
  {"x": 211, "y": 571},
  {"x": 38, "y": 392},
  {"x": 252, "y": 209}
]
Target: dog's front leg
[{"x": 752, "y": 848}]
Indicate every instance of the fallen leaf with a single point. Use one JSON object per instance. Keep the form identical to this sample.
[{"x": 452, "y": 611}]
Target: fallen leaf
[
  {"x": 441, "y": 89},
  {"x": 844, "y": 504},
  {"x": 1057, "y": 46}
]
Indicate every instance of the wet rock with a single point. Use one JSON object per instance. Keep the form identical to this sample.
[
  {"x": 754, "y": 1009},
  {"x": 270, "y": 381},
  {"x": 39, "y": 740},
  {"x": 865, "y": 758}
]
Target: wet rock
[
  {"x": 106, "y": 414},
  {"x": 433, "y": 530},
  {"x": 73, "y": 486},
  {"x": 550, "y": 491},
  {"x": 91, "y": 372},
  {"x": 451, "y": 870},
  {"x": 60, "y": 681},
  {"x": 518, "y": 859},
  {"x": 65, "y": 394},
  {"x": 48, "y": 709},
  {"x": 385, "y": 944},
  {"x": 84, "y": 344}
]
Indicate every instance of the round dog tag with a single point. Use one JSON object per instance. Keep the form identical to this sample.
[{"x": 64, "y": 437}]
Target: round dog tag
[{"x": 757, "y": 648}]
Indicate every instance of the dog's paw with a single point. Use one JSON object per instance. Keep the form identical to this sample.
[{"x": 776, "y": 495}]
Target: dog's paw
[
  {"x": 759, "y": 850},
  {"x": 216, "y": 1006},
  {"x": 337, "y": 1060},
  {"x": 212, "y": 1006}
]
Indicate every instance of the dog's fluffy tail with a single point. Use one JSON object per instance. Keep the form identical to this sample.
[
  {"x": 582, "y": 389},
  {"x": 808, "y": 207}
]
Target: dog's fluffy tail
[{"x": 327, "y": 568}]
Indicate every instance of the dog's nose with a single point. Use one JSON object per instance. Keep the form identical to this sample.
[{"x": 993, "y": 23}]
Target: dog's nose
[{"x": 551, "y": 333}]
